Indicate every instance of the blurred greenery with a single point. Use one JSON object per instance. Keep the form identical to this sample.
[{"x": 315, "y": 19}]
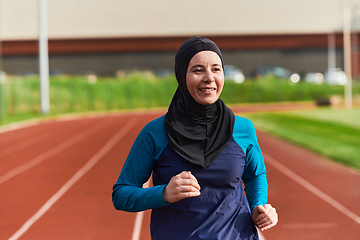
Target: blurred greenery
[
  {"x": 20, "y": 97},
  {"x": 334, "y": 133}
]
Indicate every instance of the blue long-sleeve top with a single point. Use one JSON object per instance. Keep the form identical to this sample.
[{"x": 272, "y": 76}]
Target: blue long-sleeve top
[{"x": 241, "y": 161}]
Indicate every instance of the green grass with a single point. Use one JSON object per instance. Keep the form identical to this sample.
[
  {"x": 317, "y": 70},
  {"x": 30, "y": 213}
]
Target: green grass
[
  {"x": 334, "y": 133},
  {"x": 349, "y": 117}
]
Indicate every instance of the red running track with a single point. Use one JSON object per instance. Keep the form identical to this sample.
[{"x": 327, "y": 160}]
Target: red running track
[{"x": 56, "y": 181}]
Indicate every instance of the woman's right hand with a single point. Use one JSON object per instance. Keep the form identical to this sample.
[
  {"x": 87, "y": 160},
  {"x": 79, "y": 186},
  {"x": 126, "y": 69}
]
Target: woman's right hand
[{"x": 183, "y": 185}]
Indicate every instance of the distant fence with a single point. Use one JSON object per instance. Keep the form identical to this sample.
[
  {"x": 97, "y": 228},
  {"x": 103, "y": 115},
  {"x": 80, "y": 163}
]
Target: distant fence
[{"x": 21, "y": 96}]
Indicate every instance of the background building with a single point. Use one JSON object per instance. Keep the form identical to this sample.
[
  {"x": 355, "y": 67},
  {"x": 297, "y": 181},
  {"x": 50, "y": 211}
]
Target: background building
[{"x": 110, "y": 35}]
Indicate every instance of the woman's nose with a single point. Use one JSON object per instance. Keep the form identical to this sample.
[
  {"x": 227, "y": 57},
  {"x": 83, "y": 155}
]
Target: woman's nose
[{"x": 209, "y": 76}]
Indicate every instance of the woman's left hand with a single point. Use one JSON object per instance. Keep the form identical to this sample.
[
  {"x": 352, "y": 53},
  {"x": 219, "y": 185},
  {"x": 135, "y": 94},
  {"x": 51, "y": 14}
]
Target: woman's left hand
[{"x": 264, "y": 216}]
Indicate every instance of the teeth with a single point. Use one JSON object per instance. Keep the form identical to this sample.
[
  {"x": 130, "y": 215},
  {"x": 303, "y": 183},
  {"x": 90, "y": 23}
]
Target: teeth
[{"x": 207, "y": 90}]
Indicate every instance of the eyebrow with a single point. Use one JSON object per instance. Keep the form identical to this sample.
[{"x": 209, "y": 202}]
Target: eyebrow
[
  {"x": 196, "y": 65},
  {"x": 201, "y": 65}
]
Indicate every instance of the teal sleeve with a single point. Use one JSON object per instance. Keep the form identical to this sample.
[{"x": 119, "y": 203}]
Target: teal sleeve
[
  {"x": 254, "y": 176},
  {"x": 128, "y": 193}
]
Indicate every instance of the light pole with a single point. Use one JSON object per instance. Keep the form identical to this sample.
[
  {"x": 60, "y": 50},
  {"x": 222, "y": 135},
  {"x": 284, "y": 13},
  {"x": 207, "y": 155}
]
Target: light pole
[
  {"x": 43, "y": 59},
  {"x": 347, "y": 55},
  {"x": 331, "y": 51},
  {"x": 2, "y": 81},
  {"x": 1, "y": 67}
]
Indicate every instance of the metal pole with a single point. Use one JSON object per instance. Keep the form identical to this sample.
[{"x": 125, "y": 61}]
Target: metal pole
[
  {"x": 354, "y": 55},
  {"x": 347, "y": 56},
  {"x": 43, "y": 59},
  {"x": 331, "y": 51},
  {"x": 1, "y": 64},
  {"x": 2, "y": 81}
]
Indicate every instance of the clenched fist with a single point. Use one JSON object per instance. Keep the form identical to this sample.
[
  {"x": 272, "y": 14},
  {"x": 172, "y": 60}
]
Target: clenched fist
[
  {"x": 183, "y": 185},
  {"x": 265, "y": 216}
]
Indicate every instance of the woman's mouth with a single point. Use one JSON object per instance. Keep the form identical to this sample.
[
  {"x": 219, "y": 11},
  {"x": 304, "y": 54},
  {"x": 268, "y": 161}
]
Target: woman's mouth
[{"x": 208, "y": 90}]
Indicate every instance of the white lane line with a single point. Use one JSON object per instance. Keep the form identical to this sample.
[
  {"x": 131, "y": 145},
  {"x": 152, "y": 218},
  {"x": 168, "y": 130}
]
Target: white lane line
[
  {"x": 138, "y": 219},
  {"x": 61, "y": 147},
  {"x": 27, "y": 143},
  {"x": 261, "y": 236},
  {"x": 311, "y": 188},
  {"x": 137, "y": 226},
  {"x": 81, "y": 172}
]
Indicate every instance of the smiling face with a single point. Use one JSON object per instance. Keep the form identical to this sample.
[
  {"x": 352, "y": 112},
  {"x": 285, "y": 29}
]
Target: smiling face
[{"x": 205, "y": 77}]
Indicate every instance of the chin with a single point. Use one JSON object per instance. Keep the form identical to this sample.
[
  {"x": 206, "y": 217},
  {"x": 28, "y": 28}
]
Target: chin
[{"x": 207, "y": 101}]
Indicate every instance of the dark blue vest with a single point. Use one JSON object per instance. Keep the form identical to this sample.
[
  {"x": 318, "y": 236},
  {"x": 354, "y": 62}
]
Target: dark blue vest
[{"x": 221, "y": 212}]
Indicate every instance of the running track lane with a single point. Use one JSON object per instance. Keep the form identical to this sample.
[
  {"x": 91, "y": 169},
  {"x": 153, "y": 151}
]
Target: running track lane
[
  {"x": 315, "y": 197},
  {"x": 84, "y": 210}
]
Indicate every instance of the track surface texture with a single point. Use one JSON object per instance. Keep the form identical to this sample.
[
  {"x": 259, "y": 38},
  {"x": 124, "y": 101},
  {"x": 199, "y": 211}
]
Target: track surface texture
[{"x": 56, "y": 181}]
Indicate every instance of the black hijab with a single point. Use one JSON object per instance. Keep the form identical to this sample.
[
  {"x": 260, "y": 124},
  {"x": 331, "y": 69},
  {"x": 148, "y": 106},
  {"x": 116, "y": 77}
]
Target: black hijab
[{"x": 196, "y": 132}]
